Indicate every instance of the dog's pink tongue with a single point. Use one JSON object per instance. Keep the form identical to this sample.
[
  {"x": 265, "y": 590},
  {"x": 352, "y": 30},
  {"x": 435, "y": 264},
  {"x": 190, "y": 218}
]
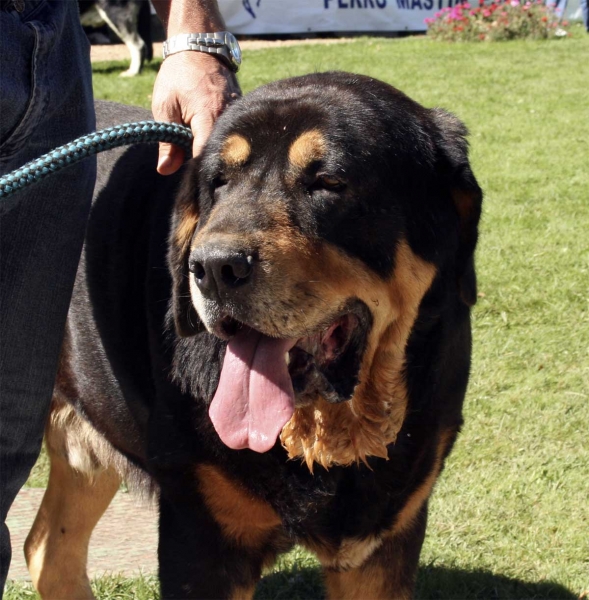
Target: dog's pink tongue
[{"x": 254, "y": 399}]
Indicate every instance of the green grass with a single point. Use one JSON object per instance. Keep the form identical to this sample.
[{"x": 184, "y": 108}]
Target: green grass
[{"x": 510, "y": 516}]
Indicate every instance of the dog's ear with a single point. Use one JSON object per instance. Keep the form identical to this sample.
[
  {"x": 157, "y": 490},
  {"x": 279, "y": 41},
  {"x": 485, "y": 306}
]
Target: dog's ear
[
  {"x": 184, "y": 222},
  {"x": 467, "y": 196}
]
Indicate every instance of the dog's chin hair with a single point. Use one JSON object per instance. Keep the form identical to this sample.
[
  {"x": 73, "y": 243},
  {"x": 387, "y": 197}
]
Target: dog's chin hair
[{"x": 71, "y": 436}]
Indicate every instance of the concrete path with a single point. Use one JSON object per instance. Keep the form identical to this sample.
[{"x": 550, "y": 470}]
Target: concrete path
[{"x": 124, "y": 541}]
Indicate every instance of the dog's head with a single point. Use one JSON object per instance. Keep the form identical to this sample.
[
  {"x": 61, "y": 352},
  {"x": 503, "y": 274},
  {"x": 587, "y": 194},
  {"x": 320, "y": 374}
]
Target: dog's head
[{"x": 322, "y": 210}]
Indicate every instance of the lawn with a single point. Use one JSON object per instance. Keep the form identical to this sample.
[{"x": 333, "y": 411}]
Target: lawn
[{"x": 510, "y": 515}]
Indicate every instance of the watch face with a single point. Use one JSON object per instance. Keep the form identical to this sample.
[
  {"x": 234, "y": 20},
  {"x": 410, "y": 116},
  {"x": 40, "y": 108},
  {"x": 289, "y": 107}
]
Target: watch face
[{"x": 234, "y": 48}]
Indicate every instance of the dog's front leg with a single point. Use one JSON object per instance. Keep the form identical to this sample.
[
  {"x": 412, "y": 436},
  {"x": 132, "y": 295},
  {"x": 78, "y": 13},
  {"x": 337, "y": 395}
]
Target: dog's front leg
[
  {"x": 197, "y": 559},
  {"x": 388, "y": 574}
]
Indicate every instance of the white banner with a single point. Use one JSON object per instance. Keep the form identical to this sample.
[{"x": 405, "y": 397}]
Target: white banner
[{"x": 303, "y": 16}]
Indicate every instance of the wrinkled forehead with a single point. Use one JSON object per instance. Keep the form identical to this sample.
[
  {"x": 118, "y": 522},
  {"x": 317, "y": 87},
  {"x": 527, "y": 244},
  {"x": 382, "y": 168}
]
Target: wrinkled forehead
[
  {"x": 297, "y": 132},
  {"x": 299, "y": 150}
]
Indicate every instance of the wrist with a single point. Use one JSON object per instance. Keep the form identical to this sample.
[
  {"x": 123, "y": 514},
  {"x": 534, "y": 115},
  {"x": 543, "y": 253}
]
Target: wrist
[{"x": 220, "y": 44}]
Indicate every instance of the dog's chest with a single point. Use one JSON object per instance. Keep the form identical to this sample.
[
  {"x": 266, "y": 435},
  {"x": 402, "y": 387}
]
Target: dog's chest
[{"x": 328, "y": 505}]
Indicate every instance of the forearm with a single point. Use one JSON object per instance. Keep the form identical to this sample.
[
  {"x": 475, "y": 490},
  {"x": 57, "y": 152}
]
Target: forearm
[{"x": 189, "y": 16}]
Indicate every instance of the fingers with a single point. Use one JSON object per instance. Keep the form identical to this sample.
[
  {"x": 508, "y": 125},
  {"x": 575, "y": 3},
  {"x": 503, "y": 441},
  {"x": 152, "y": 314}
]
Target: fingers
[
  {"x": 191, "y": 88},
  {"x": 201, "y": 126}
]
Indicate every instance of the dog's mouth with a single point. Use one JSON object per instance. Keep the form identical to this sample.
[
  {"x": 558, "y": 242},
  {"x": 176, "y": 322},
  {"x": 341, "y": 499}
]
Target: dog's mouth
[{"x": 263, "y": 378}]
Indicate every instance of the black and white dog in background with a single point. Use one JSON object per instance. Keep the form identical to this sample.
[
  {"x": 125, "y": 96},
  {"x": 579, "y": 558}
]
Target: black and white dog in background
[{"x": 129, "y": 19}]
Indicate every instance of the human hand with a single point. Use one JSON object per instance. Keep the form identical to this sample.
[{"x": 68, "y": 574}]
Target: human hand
[{"x": 192, "y": 88}]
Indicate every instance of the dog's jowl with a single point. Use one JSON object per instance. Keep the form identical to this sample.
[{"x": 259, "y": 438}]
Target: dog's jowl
[{"x": 275, "y": 343}]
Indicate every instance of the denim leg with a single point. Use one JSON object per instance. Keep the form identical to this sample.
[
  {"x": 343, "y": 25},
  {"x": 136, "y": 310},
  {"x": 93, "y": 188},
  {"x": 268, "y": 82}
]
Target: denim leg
[
  {"x": 585, "y": 10},
  {"x": 559, "y": 7},
  {"x": 46, "y": 101}
]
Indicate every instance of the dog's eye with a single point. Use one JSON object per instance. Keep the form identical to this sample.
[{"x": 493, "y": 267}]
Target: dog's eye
[
  {"x": 325, "y": 181},
  {"x": 219, "y": 182}
]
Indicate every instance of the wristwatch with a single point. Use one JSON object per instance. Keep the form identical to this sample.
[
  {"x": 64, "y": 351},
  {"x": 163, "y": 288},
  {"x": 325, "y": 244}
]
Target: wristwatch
[{"x": 221, "y": 43}]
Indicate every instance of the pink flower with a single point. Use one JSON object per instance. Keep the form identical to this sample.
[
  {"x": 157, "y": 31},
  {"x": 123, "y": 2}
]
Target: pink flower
[{"x": 514, "y": 3}]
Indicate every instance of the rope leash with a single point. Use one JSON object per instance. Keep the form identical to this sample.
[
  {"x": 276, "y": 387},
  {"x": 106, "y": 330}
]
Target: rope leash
[{"x": 93, "y": 143}]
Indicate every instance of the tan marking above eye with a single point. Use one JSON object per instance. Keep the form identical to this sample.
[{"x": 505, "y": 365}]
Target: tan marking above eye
[
  {"x": 308, "y": 147},
  {"x": 236, "y": 150}
]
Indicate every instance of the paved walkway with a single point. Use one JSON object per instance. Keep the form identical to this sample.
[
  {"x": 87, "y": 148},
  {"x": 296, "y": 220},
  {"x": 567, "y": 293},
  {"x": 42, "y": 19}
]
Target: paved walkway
[{"x": 124, "y": 541}]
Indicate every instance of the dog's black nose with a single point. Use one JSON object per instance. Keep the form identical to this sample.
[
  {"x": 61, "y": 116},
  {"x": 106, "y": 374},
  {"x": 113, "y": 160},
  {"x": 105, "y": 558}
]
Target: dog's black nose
[{"x": 220, "y": 270}]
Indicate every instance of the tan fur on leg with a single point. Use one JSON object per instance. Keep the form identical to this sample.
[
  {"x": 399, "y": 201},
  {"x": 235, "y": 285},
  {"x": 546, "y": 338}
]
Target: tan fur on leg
[
  {"x": 243, "y": 593},
  {"x": 388, "y": 573},
  {"x": 384, "y": 576},
  {"x": 57, "y": 546},
  {"x": 370, "y": 583},
  {"x": 56, "y": 549}
]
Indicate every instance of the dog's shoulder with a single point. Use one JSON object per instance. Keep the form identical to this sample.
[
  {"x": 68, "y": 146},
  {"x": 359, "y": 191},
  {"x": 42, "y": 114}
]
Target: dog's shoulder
[{"x": 122, "y": 279}]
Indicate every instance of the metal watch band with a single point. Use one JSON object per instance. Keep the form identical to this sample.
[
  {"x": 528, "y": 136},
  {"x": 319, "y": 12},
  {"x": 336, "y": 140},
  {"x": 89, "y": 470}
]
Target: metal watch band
[{"x": 219, "y": 43}]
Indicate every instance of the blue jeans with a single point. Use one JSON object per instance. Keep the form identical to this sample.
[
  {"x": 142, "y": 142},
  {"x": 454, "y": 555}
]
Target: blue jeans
[
  {"x": 559, "y": 7},
  {"x": 45, "y": 101}
]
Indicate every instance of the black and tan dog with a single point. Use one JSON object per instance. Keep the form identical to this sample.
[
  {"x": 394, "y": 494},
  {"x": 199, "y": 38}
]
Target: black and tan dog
[{"x": 279, "y": 348}]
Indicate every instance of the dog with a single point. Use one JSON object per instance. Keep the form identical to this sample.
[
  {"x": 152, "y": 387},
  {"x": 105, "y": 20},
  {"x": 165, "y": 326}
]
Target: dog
[
  {"x": 130, "y": 20},
  {"x": 275, "y": 343}
]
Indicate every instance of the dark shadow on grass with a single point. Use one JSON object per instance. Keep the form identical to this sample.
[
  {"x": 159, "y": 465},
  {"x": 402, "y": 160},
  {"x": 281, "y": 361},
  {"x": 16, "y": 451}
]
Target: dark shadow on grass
[
  {"x": 118, "y": 66},
  {"x": 433, "y": 583},
  {"x": 292, "y": 584},
  {"x": 442, "y": 583}
]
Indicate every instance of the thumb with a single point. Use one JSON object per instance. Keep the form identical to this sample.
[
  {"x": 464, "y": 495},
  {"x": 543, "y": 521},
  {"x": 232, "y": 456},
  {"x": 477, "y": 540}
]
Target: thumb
[{"x": 170, "y": 158}]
